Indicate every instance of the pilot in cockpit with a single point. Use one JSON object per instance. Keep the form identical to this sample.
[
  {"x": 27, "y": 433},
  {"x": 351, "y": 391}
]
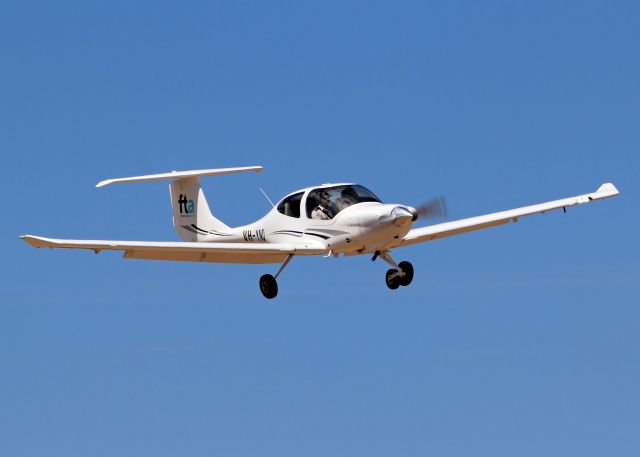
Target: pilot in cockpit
[{"x": 322, "y": 211}]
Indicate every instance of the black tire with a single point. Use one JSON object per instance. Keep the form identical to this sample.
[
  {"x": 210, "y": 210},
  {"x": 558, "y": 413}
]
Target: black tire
[
  {"x": 393, "y": 281},
  {"x": 268, "y": 286},
  {"x": 407, "y": 268}
]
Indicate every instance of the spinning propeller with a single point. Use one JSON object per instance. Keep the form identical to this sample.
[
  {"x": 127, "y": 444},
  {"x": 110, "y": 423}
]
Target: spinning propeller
[{"x": 433, "y": 208}]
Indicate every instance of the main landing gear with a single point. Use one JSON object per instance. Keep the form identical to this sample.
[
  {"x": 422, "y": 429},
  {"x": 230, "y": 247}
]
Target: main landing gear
[
  {"x": 400, "y": 275},
  {"x": 268, "y": 283}
]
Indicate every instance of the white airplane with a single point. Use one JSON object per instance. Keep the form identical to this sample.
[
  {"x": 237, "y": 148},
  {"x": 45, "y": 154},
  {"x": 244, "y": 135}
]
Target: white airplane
[{"x": 328, "y": 220}]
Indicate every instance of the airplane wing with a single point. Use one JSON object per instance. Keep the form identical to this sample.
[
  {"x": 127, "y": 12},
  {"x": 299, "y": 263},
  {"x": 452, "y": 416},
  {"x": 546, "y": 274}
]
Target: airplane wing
[
  {"x": 185, "y": 251},
  {"x": 434, "y": 232}
]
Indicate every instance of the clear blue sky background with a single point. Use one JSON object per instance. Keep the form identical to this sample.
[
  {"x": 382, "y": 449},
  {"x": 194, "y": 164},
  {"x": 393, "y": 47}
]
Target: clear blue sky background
[{"x": 519, "y": 340}]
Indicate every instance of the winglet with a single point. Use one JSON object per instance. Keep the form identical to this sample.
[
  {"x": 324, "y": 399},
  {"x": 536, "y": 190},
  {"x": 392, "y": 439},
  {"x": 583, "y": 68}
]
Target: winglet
[
  {"x": 608, "y": 188},
  {"x": 175, "y": 175}
]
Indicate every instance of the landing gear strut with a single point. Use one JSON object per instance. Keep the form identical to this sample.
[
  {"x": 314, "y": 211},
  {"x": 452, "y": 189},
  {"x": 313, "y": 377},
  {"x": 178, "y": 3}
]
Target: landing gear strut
[
  {"x": 268, "y": 283},
  {"x": 400, "y": 275}
]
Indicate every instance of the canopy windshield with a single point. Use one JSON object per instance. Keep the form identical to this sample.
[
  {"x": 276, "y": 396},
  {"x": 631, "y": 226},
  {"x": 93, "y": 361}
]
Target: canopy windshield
[{"x": 326, "y": 202}]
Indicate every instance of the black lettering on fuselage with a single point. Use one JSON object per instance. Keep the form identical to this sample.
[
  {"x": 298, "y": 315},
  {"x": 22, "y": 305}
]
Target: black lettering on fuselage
[{"x": 252, "y": 236}]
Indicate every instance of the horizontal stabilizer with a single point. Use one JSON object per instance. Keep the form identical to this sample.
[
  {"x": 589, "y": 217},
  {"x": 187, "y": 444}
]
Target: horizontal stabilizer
[{"x": 175, "y": 175}]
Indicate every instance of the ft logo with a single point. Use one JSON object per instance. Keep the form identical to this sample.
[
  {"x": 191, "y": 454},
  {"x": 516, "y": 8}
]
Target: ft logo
[{"x": 185, "y": 206}]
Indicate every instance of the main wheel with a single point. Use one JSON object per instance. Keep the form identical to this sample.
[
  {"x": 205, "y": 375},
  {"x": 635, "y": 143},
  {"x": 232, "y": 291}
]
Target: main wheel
[
  {"x": 268, "y": 286},
  {"x": 407, "y": 269},
  {"x": 392, "y": 279}
]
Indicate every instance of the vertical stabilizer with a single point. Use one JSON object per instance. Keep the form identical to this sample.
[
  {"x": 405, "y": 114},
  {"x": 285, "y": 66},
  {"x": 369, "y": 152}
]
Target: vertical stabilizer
[{"x": 192, "y": 217}]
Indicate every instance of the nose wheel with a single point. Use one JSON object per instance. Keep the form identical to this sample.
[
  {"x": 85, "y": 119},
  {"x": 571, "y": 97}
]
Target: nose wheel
[
  {"x": 392, "y": 279},
  {"x": 407, "y": 269},
  {"x": 400, "y": 275}
]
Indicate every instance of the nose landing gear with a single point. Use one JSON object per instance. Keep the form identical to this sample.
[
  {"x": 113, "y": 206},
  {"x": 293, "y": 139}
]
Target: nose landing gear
[{"x": 400, "y": 275}]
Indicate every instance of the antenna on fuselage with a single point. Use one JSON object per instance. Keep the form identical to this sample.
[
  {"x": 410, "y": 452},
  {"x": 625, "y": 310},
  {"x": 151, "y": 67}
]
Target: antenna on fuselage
[{"x": 266, "y": 196}]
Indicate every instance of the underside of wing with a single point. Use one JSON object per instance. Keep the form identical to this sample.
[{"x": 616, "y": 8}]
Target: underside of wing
[
  {"x": 446, "y": 229},
  {"x": 189, "y": 252}
]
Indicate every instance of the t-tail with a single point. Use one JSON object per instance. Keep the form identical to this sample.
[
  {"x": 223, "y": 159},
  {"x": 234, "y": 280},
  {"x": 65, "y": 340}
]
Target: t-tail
[{"x": 192, "y": 216}]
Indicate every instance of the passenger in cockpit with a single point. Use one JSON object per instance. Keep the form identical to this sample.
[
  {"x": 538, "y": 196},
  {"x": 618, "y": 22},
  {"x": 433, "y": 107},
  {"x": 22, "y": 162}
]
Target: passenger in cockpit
[
  {"x": 347, "y": 198},
  {"x": 322, "y": 211}
]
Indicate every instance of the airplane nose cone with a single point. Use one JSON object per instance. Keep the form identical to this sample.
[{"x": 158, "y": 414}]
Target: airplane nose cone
[{"x": 401, "y": 215}]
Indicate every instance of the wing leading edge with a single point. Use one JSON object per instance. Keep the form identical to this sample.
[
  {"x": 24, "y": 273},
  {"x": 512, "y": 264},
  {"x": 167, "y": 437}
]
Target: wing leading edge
[
  {"x": 434, "y": 232},
  {"x": 184, "y": 251}
]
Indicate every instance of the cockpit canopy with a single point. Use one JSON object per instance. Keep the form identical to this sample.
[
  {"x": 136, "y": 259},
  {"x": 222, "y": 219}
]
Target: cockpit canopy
[
  {"x": 326, "y": 202},
  {"x": 329, "y": 201}
]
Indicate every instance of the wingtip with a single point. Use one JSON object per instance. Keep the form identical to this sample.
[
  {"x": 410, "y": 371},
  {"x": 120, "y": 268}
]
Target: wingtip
[
  {"x": 608, "y": 188},
  {"x": 36, "y": 241},
  {"x": 29, "y": 239}
]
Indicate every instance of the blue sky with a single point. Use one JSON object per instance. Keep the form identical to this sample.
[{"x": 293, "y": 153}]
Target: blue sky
[{"x": 519, "y": 340}]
